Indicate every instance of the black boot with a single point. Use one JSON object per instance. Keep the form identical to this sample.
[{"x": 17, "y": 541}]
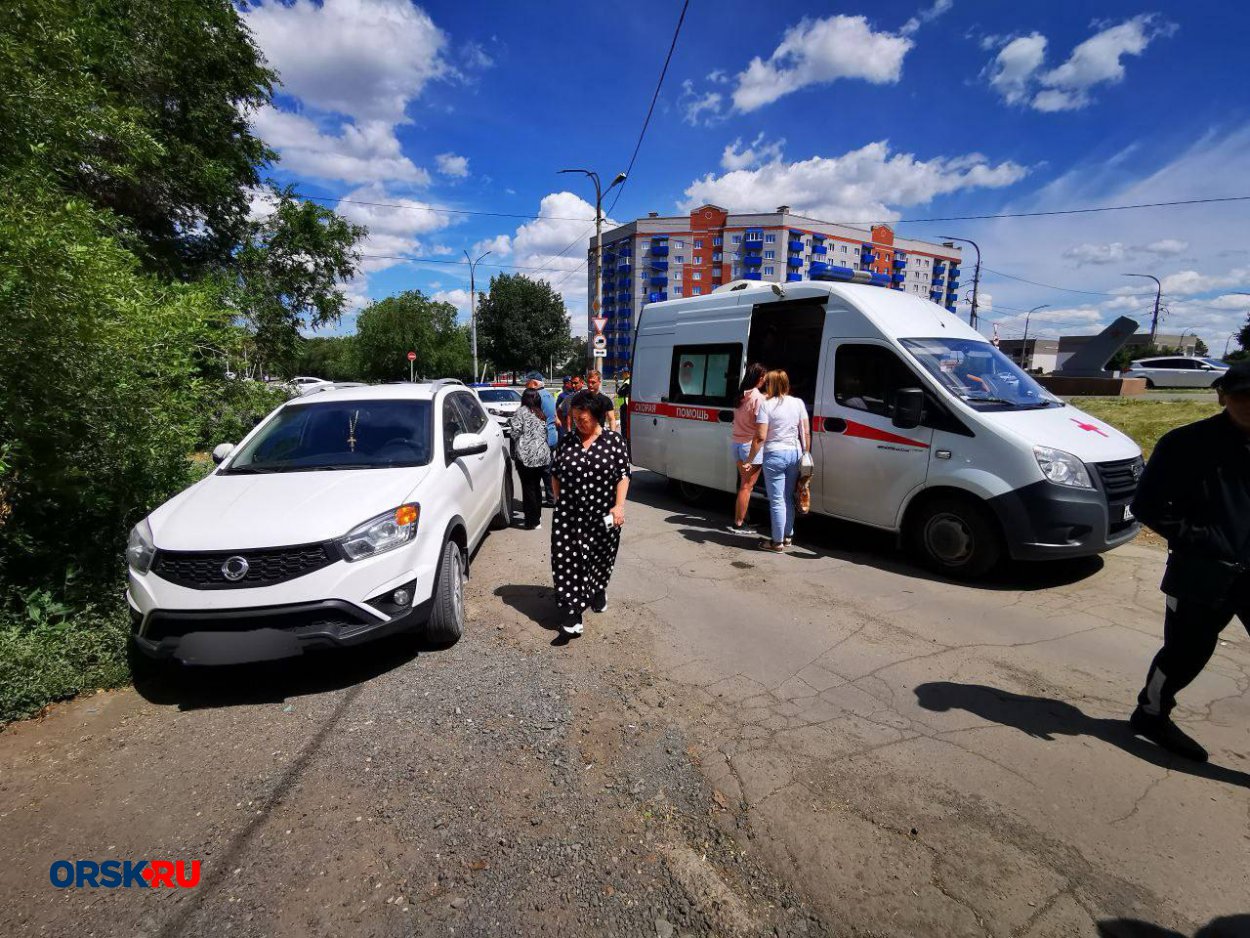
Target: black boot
[{"x": 1162, "y": 731}]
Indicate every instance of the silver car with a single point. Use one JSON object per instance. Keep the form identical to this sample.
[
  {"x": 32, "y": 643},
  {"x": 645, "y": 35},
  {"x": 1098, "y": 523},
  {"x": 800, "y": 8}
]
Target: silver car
[{"x": 1177, "y": 372}]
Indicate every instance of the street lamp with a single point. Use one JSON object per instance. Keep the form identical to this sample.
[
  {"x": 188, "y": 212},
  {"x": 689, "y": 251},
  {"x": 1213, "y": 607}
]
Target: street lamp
[
  {"x": 1154, "y": 320},
  {"x": 976, "y": 277},
  {"x": 600, "y": 192},
  {"x": 473, "y": 306},
  {"x": 1024, "y": 344},
  {"x": 1231, "y": 336}
]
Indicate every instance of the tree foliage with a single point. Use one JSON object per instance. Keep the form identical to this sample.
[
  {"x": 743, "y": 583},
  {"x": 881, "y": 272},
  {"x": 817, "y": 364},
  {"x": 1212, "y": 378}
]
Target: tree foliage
[
  {"x": 522, "y": 323},
  {"x": 388, "y": 329},
  {"x": 330, "y": 357},
  {"x": 1243, "y": 336}
]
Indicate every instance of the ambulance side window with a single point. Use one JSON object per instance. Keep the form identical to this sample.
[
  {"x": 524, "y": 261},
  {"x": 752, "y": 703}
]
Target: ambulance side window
[
  {"x": 705, "y": 374},
  {"x": 867, "y": 377}
]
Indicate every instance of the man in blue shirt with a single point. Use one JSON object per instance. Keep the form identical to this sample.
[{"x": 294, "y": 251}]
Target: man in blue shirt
[{"x": 553, "y": 437}]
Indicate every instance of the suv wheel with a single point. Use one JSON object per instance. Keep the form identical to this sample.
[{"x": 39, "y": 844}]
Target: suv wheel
[
  {"x": 446, "y": 623},
  {"x": 956, "y": 537},
  {"x": 503, "y": 514}
]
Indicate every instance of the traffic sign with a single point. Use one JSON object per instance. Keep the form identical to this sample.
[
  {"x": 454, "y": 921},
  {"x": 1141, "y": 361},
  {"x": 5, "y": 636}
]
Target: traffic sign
[
  {"x": 599, "y": 322},
  {"x": 600, "y": 352},
  {"x": 599, "y": 341},
  {"x": 412, "y": 356}
]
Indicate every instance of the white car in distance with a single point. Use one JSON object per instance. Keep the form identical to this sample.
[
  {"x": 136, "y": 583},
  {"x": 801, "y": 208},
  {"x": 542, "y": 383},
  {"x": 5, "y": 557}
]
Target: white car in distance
[
  {"x": 344, "y": 516},
  {"x": 1177, "y": 371},
  {"x": 500, "y": 403}
]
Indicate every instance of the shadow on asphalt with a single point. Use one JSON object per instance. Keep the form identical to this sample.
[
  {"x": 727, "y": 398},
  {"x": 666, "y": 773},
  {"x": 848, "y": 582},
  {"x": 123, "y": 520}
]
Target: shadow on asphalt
[
  {"x": 536, "y": 603},
  {"x": 1226, "y": 926},
  {"x": 315, "y": 672},
  {"x": 704, "y": 522},
  {"x": 1046, "y": 718}
]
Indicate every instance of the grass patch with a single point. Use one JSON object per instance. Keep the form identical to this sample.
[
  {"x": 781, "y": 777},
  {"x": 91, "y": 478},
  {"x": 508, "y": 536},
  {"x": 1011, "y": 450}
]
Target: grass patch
[
  {"x": 1145, "y": 420},
  {"x": 50, "y": 653}
]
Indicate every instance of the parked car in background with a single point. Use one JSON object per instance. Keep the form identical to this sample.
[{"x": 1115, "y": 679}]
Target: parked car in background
[
  {"x": 500, "y": 403},
  {"x": 1176, "y": 371},
  {"x": 345, "y": 515}
]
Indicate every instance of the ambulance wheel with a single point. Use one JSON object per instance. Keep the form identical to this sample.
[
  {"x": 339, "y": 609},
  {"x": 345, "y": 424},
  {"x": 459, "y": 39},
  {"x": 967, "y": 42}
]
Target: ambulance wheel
[{"x": 957, "y": 537}]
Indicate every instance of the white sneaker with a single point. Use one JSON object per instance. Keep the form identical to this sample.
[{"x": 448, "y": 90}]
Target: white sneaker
[{"x": 572, "y": 627}]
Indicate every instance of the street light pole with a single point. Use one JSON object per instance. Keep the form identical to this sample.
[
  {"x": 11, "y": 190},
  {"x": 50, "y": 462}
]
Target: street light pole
[
  {"x": 976, "y": 277},
  {"x": 599, "y": 194},
  {"x": 473, "y": 306},
  {"x": 1024, "y": 345},
  {"x": 1231, "y": 336},
  {"x": 1154, "y": 320}
]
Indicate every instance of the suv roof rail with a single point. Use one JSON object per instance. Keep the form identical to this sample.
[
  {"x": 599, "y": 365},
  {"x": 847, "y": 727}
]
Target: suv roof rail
[{"x": 441, "y": 382}]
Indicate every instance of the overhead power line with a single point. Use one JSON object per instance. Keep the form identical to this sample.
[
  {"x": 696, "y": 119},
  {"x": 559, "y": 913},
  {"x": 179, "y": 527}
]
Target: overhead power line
[
  {"x": 1051, "y": 286},
  {"x": 1068, "y": 211}
]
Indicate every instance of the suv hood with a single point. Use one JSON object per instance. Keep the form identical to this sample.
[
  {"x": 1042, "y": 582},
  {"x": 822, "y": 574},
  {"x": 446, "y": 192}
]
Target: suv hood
[
  {"x": 1089, "y": 439},
  {"x": 225, "y": 512}
]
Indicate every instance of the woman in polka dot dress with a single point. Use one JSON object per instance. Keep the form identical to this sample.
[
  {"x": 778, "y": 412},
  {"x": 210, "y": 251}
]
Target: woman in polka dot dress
[{"x": 590, "y": 474}]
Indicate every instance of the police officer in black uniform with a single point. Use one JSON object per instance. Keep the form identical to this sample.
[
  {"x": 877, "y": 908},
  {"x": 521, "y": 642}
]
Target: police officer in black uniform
[{"x": 1196, "y": 493}]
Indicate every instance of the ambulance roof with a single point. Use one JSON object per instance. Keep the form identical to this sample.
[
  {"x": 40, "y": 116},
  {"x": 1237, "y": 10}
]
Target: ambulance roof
[{"x": 895, "y": 313}]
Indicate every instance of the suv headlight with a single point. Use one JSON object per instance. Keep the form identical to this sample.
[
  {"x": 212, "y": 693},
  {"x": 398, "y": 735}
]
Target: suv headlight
[
  {"x": 378, "y": 535},
  {"x": 1062, "y": 468},
  {"x": 139, "y": 549}
]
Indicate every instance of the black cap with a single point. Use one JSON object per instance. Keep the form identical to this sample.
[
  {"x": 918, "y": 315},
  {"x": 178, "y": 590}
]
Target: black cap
[{"x": 1234, "y": 381}]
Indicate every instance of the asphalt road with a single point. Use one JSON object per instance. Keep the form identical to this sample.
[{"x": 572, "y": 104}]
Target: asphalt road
[{"x": 827, "y": 742}]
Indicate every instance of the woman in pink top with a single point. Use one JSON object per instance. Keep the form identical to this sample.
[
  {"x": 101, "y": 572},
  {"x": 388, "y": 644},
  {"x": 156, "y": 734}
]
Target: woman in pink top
[{"x": 749, "y": 400}]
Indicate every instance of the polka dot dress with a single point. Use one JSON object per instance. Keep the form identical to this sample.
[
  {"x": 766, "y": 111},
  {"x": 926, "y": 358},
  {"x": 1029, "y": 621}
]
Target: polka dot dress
[{"x": 583, "y": 549}]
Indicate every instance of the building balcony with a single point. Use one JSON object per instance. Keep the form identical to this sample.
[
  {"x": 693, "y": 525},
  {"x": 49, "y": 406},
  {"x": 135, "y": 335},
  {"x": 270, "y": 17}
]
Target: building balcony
[
  {"x": 659, "y": 250},
  {"x": 625, "y": 266},
  {"x": 752, "y": 260},
  {"x": 819, "y": 249},
  {"x": 900, "y": 263},
  {"x": 952, "y": 286},
  {"x": 867, "y": 257},
  {"x": 795, "y": 262},
  {"x": 950, "y": 307},
  {"x": 937, "y": 280},
  {"x": 659, "y": 281},
  {"x": 898, "y": 277},
  {"x": 658, "y": 264},
  {"x": 954, "y": 271},
  {"x": 790, "y": 278},
  {"x": 796, "y": 246}
]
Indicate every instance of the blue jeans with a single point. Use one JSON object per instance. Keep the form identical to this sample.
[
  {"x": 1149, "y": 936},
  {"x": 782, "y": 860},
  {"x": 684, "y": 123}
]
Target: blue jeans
[{"x": 781, "y": 474}]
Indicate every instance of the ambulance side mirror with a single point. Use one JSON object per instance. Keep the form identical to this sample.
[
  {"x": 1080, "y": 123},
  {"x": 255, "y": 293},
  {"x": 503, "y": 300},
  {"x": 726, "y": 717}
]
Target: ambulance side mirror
[{"x": 908, "y": 408}]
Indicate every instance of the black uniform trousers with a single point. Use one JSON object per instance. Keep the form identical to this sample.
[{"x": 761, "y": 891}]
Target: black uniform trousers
[
  {"x": 1191, "y": 631},
  {"x": 532, "y": 491}
]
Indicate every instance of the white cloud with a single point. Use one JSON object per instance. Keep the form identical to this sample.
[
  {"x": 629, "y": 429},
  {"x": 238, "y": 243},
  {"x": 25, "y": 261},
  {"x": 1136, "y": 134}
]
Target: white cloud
[
  {"x": 1111, "y": 253},
  {"x": 1016, "y": 72},
  {"x": 1167, "y": 247},
  {"x": 857, "y": 186},
  {"x": 1190, "y": 282},
  {"x": 357, "y": 153},
  {"x": 818, "y": 52},
  {"x": 393, "y": 226},
  {"x": 449, "y": 164},
  {"x": 698, "y": 108},
  {"x": 441, "y": 250},
  {"x": 457, "y": 298},
  {"x": 1015, "y": 65},
  {"x": 756, "y": 154},
  {"x": 927, "y": 15},
  {"x": 500, "y": 245},
  {"x": 366, "y": 59}
]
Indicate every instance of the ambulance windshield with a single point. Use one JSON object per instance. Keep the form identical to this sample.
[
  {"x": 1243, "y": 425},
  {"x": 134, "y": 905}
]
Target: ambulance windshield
[{"x": 979, "y": 374}]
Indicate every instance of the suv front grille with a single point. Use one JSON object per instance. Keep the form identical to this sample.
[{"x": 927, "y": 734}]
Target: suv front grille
[
  {"x": 1119, "y": 478},
  {"x": 265, "y": 567}
]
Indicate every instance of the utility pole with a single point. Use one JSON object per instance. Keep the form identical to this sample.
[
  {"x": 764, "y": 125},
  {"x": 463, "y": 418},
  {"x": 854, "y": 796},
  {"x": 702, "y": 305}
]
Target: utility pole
[
  {"x": 1154, "y": 320},
  {"x": 473, "y": 305},
  {"x": 1024, "y": 345},
  {"x": 976, "y": 278},
  {"x": 599, "y": 194}
]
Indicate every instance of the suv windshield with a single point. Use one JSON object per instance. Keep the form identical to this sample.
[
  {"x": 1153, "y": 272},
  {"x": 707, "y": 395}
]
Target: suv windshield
[
  {"x": 369, "y": 434},
  {"x": 979, "y": 374},
  {"x": 498, "y": 396}
]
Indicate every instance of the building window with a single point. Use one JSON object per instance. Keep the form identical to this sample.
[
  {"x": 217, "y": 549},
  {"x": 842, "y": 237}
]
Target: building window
[
  {"x": 679, "y": 244},
  {"x": 698, "y": 258},
  {"x": 769, "y": 255},
  {"x": 771, "y": 239},
  {"x": 717, "y": 257},
  {"x": 844, "y": 249},
  {"x": 697, "y": 275},
  {"x": 737, "y": 271},
  {"x": 696, "y": 291},
  {"x": 737, "y": 239},
  {"x": 680, "y": 259},
  {"x": 698, "y": 244},
  {"x": 677, "y": 291},
  {"x": 768, "y": 271},
  {"x": 717, "y": 242}
]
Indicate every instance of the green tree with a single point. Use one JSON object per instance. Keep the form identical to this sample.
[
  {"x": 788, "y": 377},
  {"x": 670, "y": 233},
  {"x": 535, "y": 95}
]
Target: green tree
[
  {"x": 573, "y": 361},
  {"x": 1243, "y": 336},
  {"x": 386, "y": 331},
  {"x": 329, "y": 357},
  {"x": 141, "y": 107},
  {"x": 288, "y": 275},
  {"x": 522, "y": 323}
]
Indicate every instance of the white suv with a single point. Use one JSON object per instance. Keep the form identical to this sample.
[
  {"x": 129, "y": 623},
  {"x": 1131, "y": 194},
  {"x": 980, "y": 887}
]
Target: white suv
[
  {"x": 1177, "y": 371},
  {"x": 344, "y": 516}
]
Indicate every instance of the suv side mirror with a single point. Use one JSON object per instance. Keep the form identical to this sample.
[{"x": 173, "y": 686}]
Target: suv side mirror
[
  {"x": 467, "y": 444},
  {"x": 221, "y": 451},
  {"x": 908, "y": 408}
]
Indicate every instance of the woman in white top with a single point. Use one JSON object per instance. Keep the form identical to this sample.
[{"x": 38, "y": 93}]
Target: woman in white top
[{"x": 783, "y": 432}]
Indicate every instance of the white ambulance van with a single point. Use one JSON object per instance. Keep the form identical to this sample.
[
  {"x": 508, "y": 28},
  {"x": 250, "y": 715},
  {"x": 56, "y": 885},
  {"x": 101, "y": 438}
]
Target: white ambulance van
[{"x": 920, "y": 425}]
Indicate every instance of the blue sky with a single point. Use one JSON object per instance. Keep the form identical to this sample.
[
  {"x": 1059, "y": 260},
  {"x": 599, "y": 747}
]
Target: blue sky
[{"x": 858, "y": 113}]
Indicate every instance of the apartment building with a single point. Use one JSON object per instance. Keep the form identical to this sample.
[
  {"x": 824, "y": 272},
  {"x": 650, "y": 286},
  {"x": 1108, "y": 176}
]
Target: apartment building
[{"x": 658, "y": 258}]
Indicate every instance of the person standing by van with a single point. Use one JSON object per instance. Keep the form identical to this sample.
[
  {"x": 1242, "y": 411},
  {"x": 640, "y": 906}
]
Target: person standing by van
[
  {"x": 548, "y": 404},
  {"x": 594, "y": 384},
  {"x": 1196, "y": 493},
  {"x": 783, "y": 432},
  {"x": 746, "y": 408},
  {"x": 532, "y": 455}
]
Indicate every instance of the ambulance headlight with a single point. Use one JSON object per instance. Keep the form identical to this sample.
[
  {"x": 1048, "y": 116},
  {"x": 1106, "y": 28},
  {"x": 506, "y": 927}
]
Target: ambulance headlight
[{"x": 1062, "y": 468}]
